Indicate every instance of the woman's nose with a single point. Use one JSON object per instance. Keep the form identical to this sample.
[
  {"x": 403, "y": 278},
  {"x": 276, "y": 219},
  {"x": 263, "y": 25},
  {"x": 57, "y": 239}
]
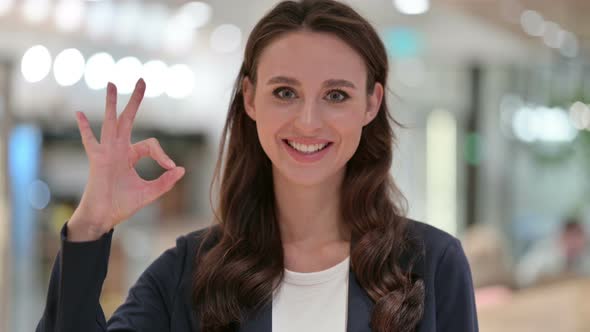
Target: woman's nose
[{"x": 309, "y": 117}]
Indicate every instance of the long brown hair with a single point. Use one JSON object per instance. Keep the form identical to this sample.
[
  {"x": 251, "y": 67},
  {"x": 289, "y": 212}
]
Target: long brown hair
[{"x": 239, "y": 273}]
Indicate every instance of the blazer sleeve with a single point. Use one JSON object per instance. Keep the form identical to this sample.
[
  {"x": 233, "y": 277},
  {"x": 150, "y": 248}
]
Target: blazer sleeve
[
  {"x": 455, "y": 299},
  {"x": 76, "y": 283}
]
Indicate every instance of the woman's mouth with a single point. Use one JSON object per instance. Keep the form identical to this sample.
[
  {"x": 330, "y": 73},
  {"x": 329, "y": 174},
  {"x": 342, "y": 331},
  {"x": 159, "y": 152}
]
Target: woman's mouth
[
  {"x": 307, "y": 148},
  {"x": 306, "y": 152}
]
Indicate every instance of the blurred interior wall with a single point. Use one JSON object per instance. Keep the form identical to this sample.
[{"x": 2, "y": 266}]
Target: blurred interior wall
[{"x": 5, "y": 124}]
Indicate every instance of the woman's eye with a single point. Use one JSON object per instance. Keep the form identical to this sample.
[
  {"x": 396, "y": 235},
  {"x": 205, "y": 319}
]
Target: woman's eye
[
  {"x": 337, "y": 96},
  {"x": 284, "y": 93}
]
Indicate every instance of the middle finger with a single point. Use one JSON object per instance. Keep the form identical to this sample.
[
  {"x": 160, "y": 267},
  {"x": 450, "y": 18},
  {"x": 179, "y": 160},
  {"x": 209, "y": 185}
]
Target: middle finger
[{"x": 128, "y": 116}]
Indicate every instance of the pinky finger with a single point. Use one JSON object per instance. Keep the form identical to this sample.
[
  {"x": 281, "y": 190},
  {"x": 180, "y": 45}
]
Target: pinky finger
[{"x": 88, "y": 139}]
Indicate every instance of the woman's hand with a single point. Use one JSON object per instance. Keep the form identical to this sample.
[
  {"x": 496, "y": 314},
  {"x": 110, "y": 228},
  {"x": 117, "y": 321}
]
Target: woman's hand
[{"x": 114, "y": 191}]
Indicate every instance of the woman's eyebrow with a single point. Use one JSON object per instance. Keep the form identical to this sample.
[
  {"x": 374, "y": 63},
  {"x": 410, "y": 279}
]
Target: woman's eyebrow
[
  {"x": 332, "y": 83},
  {"x": 339, "y": 83}
]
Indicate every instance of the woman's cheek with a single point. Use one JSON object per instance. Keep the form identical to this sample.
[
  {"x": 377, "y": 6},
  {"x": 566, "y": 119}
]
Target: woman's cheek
[
  {"x": 268, "y": 134},
  {"x": 350, "y": 132}
]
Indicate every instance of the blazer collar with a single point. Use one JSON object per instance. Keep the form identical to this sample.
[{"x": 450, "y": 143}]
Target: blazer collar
[{"x": 358, "y": 316}]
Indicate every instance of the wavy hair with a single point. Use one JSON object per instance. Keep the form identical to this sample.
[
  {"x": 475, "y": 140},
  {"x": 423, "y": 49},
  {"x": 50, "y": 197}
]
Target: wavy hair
[{"x": 238, "y": 274}]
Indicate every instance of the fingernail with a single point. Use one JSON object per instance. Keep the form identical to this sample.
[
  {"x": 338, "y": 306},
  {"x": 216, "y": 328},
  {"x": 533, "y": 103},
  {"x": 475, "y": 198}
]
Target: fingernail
[
  {"x": 171, "y": 163},
  {"x": 110, "y": 87}
]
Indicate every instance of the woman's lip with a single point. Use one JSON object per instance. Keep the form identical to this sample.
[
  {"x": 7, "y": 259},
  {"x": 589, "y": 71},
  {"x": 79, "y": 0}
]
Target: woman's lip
[{"x": 304, "y": 157}]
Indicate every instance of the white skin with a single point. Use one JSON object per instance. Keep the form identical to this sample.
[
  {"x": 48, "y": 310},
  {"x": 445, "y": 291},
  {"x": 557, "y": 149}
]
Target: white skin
[{"x": 305, "y": 109}]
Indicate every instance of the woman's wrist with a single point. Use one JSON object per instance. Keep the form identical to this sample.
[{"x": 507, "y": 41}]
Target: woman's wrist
[{"x": 83, "y": 229}]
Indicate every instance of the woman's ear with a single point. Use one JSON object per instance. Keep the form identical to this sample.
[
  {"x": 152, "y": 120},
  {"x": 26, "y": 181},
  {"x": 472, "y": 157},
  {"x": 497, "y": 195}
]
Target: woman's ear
[
  {"x": 248, "y": 92},
  {"x": 373, "y": 103}
]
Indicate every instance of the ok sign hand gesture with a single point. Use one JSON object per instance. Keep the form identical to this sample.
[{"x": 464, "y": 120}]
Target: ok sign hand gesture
[{"x": 114, "y": 191}]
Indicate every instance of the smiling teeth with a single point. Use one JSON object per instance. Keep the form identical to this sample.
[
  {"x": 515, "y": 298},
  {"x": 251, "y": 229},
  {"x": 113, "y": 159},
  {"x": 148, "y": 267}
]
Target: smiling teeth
[{"x": 307, "y": 148}]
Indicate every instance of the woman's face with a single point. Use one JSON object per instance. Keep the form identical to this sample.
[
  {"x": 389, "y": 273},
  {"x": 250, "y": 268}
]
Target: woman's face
[{"x": 310, "y": 105}]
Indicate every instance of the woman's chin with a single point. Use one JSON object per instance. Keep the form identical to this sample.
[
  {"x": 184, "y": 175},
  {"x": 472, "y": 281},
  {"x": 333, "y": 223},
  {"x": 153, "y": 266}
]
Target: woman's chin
[{"x": 306, "y": 178}]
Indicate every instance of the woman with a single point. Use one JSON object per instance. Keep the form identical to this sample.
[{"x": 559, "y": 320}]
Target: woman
[{"x": 310, "y": 234}]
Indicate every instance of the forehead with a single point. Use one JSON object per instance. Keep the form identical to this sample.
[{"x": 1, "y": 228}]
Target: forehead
[{"x": 311, "y": 57}]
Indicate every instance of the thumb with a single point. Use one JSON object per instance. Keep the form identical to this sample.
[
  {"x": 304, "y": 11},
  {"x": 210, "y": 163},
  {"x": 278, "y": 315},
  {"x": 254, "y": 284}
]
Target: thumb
[{"x": 163, "y": 184}]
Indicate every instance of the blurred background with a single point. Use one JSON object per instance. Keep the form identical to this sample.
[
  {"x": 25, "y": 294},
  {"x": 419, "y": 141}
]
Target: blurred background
[{"x": 496, "y": 150}]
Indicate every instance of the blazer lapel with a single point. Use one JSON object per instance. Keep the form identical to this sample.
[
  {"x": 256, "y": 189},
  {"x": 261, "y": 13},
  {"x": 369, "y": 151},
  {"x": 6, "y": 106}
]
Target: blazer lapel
[
  {"x": 260, "y": 321},
  {"x": 360, "y": 307}
]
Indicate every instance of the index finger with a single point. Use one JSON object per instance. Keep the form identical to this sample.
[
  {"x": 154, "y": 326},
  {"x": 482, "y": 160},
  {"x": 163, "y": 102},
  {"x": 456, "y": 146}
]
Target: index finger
[
  {"x": 128, "y": 116},
  {"x": 109, "y": 125}
]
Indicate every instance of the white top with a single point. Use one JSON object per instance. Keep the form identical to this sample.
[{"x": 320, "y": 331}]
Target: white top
[{"x": 314, "y": 301}]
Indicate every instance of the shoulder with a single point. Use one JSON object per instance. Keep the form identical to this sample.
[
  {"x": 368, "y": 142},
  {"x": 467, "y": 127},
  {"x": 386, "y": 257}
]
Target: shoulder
[
  {"x": 435, "y": 239},
  {"x": 189, "y": 245},
  {"x": 185, "y": 244},
  {"x": 204, "y": 239},
  {"x": 177, "y": 260},
  {"x": 174, "y": 266},
  {"x": 434, "y": 244},
  {"x": 439, "y": 252},
  {"x": 450, "y": 300}
]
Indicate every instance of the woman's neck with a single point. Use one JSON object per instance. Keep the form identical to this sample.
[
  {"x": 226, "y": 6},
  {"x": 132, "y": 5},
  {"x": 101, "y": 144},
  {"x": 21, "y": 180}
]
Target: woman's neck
[{"x": 309, "y": 216}]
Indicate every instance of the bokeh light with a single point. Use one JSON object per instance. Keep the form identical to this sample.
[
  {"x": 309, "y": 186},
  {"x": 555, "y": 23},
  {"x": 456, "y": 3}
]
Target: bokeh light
[
  {"x": 532, "y": 23},
  {"x": 36, "y": 63},
  {"x": 68, "y": 67},
  {"x": 127, "y": 72},
  {"x": 39, "y": 194},
  {"x": 154, "y": 73},
  {"x": 569, "y": 45},
  {"x": 412, "y": 7},
  {"x": 99, "y": 70},
  {"x": 553, "y": 35},
  {"x": 549, "y": 125},
  {"x": 580, "y": 115}
]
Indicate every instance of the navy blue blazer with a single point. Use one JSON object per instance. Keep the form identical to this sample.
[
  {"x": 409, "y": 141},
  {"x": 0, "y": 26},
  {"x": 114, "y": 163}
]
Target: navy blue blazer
[{"x": 160, "y": 299}]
